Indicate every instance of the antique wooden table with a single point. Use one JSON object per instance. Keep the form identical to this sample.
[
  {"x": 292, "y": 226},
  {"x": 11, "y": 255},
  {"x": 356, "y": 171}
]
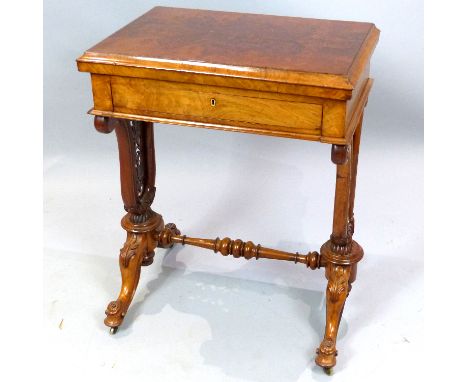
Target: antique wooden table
[{"x": 282, "y": 76}]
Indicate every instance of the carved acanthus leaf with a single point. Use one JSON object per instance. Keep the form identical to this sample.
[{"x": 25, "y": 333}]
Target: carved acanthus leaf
[
  {"x": 337, "y": 287},
  {"x": 129, "y": 249}
]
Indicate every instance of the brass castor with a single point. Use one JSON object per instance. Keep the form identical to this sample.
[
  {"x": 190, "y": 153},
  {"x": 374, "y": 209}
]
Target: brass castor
[
  {"x": 328, "y": 370},
  {"x": 113, "y": 330}
]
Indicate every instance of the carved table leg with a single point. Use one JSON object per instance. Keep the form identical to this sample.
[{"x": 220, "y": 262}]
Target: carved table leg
[
  {"x": 137, "y": 177},
  {"x": 340, "y": 253}
]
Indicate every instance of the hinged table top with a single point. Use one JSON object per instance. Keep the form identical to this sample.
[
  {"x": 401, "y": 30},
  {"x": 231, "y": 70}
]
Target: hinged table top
[{"x": 284, "y": 49}]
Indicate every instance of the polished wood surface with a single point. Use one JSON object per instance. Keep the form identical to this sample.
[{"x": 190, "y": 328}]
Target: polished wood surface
[
  {"x": 325, "y": 52},
  {"x": 196, "y": 102},
  {"x": 281, "y": 76},
  {"x": 236, "y": 248}
]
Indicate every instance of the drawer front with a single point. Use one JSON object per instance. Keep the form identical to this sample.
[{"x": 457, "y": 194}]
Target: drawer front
[{"x": 215, "y": 105}]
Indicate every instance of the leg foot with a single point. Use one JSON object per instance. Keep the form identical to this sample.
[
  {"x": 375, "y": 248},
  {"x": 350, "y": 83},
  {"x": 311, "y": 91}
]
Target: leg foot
[
  {"x": 137, "y": 184},
  {"x": 131, "y": 257},
  {"x": 340, "y": 253},
  {"x": 337, "y": 291},
  {"x": 138, "y": 248}
]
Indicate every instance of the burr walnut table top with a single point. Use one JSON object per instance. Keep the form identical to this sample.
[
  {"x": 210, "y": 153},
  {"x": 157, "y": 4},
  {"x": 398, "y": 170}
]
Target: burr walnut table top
[{"x": 216, "y": 52}]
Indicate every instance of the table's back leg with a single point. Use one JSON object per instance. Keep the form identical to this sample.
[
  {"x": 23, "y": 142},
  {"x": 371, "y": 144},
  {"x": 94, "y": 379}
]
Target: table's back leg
[
  {"x": 340, "y": 253},
  {"x": 137, "y": 177},
  {"x": 355, "y": 158}
]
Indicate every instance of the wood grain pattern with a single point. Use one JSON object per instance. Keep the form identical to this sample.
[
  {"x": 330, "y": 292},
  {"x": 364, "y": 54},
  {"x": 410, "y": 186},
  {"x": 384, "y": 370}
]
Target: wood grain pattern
[
  {"x": 140, "y": 99},
  {"x": 236, "y": 248},
  {"x": 336, "y": 293},
  {"x": 102, "y": 92},
  {"x": 280, "y": 76},
  {"x": 358, "y": 90},
  {"x": 357, "y": 112},
  {"x": 283, "y": 49},
  {"x": 191, "y": 121},
  {"x": 214, "y": 79},
  {"x": 341, "y": 253},
  {"x": 137, "y": 178},
  {"x": 334, "y": 121},
  {"x": 170, "y": 63},
  {"x": 160, "y": 98}
]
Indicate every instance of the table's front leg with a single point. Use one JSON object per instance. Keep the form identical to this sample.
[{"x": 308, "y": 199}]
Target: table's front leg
[
  {"x": 340, "y": 253},
  {"x": 137, "y": 177}
]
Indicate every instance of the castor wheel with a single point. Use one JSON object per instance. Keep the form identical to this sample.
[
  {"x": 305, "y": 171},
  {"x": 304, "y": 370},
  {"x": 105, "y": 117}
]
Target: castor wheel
[
  {"x": 113, "y": 330},
  {"x": 328, "y": 370}
]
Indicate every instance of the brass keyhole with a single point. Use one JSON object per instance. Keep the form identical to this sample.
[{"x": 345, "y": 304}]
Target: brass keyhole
[{"x": 213, "y": 102}]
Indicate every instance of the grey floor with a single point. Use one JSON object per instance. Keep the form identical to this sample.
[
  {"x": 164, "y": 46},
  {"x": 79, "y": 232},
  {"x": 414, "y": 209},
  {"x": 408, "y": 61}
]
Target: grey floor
[{"x": 199, "y": 316}]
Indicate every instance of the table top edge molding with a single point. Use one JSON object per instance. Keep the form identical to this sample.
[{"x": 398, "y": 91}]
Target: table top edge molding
[{"x": 89, "y": 61}]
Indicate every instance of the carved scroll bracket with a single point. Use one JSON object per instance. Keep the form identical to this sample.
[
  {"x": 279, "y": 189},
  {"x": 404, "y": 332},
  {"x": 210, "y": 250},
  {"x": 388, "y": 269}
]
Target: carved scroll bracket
[
  {"x": 340, "y": 154},
  {"x": 137, "y": 163},
  {"x": 104, "y": 124}
]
